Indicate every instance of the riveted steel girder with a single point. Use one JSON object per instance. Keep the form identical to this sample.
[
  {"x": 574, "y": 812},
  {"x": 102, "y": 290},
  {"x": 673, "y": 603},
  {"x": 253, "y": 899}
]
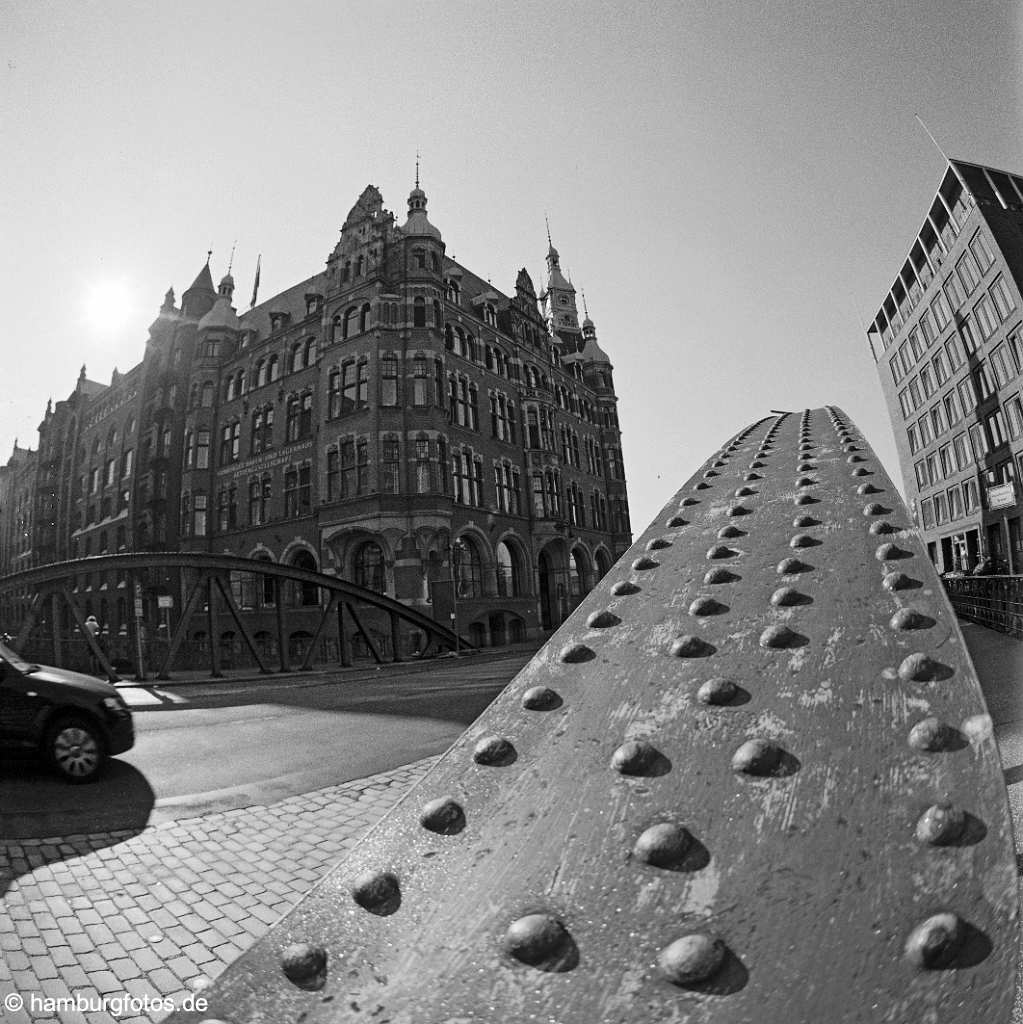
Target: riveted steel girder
[{"x": 752, "y": 778}]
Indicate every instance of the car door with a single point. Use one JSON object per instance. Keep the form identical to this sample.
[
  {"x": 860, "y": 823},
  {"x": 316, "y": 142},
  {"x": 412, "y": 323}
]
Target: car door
[{"x": 21, "y": 706}]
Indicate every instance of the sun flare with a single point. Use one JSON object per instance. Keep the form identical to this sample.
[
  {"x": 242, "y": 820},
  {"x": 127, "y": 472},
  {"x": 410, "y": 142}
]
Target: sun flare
[{"x": 108, "y": 304}]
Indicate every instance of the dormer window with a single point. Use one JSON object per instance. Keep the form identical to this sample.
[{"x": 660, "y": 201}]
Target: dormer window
[
  {"x": 489, "y": 314},
  {"x": 313, "y": 303},
  {"x": 279, "y": 320},
  {"x": 451, "y": 290}
]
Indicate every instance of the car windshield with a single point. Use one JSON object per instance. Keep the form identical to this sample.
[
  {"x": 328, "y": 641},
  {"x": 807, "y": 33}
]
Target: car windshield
[{"x": 16, "y": 659}]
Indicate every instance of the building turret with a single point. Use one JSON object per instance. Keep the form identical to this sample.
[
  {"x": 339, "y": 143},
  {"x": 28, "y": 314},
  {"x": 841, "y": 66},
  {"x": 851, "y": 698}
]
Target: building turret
[
  {"x": 418, "y": 224},
  {"x": 222, "y": 315},
  {"x": 559, "y": 302},
  {"x": 199, "y": 298}
]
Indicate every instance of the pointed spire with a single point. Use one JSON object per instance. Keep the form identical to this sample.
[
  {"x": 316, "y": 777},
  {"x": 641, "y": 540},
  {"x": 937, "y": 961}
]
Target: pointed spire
[
  {"x": 81, "y": 376},
  {"x": 204, "y": 279},
  {"x": 417, "y": 168},
  {"x": 168, "y": 301},
  {"x": 418, "y": 223}
]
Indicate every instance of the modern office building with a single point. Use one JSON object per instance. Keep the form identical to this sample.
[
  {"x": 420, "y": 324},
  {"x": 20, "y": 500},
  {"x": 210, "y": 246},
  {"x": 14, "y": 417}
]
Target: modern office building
[
  {"x": 393, "y": 419},
  {"x": 947, "y": 342}
]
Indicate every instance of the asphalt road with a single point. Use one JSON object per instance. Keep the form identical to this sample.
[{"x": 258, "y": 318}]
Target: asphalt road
[{"x": 213, "y": 746}]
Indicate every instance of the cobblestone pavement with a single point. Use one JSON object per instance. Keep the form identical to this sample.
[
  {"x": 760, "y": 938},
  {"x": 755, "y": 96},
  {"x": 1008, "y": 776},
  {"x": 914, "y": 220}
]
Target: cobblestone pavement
[{"x": 151, "y": 915}]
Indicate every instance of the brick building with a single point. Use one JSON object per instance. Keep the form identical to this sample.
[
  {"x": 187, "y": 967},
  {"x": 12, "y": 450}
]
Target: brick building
[
  {"x": 947, "y": 342},
  {"x": 393, "y": 419}
]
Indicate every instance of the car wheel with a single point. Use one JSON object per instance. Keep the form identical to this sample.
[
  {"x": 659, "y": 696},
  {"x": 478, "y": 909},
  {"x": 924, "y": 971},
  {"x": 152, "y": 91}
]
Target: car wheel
[{"x": 75, "y": 748}]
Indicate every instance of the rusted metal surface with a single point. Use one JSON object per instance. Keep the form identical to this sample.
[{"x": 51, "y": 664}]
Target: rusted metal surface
[{"x": 752, "y": 778}]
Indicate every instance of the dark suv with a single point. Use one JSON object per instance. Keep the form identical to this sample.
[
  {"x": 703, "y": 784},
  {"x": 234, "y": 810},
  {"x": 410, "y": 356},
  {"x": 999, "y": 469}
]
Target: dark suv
[{"x": 74, "y": 720}]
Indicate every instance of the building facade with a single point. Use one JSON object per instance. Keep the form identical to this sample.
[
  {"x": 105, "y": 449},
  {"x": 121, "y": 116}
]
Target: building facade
[
  {"x": 947, "y": 343},
  {"x": 393, "y": 419}
]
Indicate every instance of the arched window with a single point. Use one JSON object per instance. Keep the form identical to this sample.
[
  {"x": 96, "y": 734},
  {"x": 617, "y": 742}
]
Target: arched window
[
  {"x": 419, "y": 311},
  {"x": 603, "y": 562},
  {"x": 508, "y": 571},
  {"x": 468, "y": 568},
  {"x": 449, "y": 337},
  {"x": 364, "y": 316},
  {"x": 305, "y": 593},
  {"x": 347, "y": 325},
  {"x": 261, "y": 377},
  {"x": 578, "y": 573},
  {"x": 207, "y": 394},
  {"x": 368, "y": 566},
  {"x": 296, "y": 357},
  {"x": 310, "y": 351},
  {"x": 273, "y": 368}
]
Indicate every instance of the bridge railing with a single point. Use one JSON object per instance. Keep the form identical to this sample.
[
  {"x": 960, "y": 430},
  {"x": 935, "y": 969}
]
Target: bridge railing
[{"x": 992, "y": 601}]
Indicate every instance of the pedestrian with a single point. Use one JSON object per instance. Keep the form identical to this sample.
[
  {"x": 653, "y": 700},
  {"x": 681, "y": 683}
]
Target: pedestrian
[{"x": 92, "y": 628}]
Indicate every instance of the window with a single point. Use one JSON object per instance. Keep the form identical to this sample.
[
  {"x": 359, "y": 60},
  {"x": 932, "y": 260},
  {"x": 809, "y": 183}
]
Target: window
[
  {"x": 981, "y": 251},
  {"x": 207, "y": 394},
  {"x": 939, "y": 368},
  {"x": 926, "y": 381},
  {"x": 927, "y": 328},
  {"x": 969, "y": 334},
  {"x": 996, "y": 428},
  {"x": 914, "y": 345},
  {"x": 508, "y": 573},
  {"x": 984, "y": 315},
  {"x": 955, "y": 503},
  {"x": 927, "y": 513},
  {"x": 956, "y": 355},
  {"x": 920, "y": 469},
  {"x": 126, "y": 463},
  {"x": 420, "y": 382},
  {"x": 1001, "y": 294},
  {"x": 914, "y": 393},
  {"x": 111, "y": 474},
  {"x": 348, "y": 387},
  {"x": 1001, "y": 364},
  {"x": 334, "y": 394},
  {"x": 333, "y": 474},
  {"x": 347, "y": 460},
  {"x": 967, "y": 395},
  {"x": 940, "y": 508},
  {"x": 966, "y": 268},
  {"x": 978, "y": 439},
  {"x": 368, "y": 566},
  {"x": 390, "y": 467},
  {"x": 361, "y": 467},
  {"x": 945, "y": 459},
  {"x": 419, "y": 311},
  {"x": 230, "y": 437},
  {"x": 912, "y": 436},
  {"x": 938, "y": 420},
  {"x": 291, "y": 493},
  {"x": 202, "y": 449},
  {"x": 953, "y": 413},
  {"x": 468, "y": 568},
  {"x": 262, "y": 429},
  {"x": 305, "y": 415},
  {"x": 362, "y": 386},
  {"x": 291, "y": 419},
  {"x": 982, "y": 376},
  {"x": 200, "y": 511},
  {"x": 963, "y": 455},
  {"x": 1014, "y": 416},
  {"x": 389, "y": 380},
  {"x": 970, "y": 498},
  {"x": 939, "y": 307}
]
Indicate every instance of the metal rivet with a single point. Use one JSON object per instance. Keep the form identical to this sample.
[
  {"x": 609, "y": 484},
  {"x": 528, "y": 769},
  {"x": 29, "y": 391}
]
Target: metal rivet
[
  {"x": 861, "y": 471},
  {"x": 539, "y": 940},
  {"x": 941, "y": 824},
  {"x": 444, "y": 816},
  {"x": 691, "y": 959},
  {"x": 753, "y": 476},
  {"x": 786, "y": 596},
  {"x": 729, "y": 531},
  {"x": 634, "y": 757},
  {"x": 805, "y": 467},
  {"x": 935, "y": 942},
  {"x": 717, "y": 691},
  {"x": 677, "y": 521},
  {"x": 806, "y": 481},
  {"x": 711, "y": 472},
  {"x": 801, "y": 522},
  {"x": 803, "y": 540},
  {"x": 720, "y": 575},
  {"x": 868, "y": 489},
  {"x": 689, "y": 646},
  {"x": 623, "y": 588},
  {"x": 778, "y": 636},
  {"x": 689, "y": 501},
  {"x": 874, "y": 509},
  {"x": 706, "y": 606},
  {"x": 738, "y": 510},
  {"x": 890, "y": 552},
  {"x": 701, "y": 486},
  {"x": 879, "y": 528},
  {"x": 574, "y": 653},
  {"x": 540, "y": 698},
  {"x": 755, "y": 464},
  {"x": 744, "y": 492},
  {"x": 805, "y": 499},
  {"x": 719, "y": 462},
  {"x": 910, "y": 618},
  {"x": 721, "y": 551},
  {"x": 758, "y": 757},
  {"x": 644, "y": 562},
  {"x": 899, "y": 581},
  {"x": 304, "y": 964},
  {"x": 855, "y": 458},
  {"x": 920, "y": 668},
  {"x": 378, "y": 892},
  {"x": 930, "y": 734},
  {"x": 602, "y": 620},
  {"x": 657, "y": 543},
  {"x": 493, "y": 751},
  {"x": 788, "y": 566},
  {"x": 664, "y": 845}
]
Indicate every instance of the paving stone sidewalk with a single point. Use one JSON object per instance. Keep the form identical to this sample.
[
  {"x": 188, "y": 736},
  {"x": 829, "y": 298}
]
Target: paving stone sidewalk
[{"x": 155, "y": 913}]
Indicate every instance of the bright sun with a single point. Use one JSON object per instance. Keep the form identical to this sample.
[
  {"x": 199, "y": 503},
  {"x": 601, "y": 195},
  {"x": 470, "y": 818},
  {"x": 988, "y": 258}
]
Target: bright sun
[{"x": 108, "y": 305}]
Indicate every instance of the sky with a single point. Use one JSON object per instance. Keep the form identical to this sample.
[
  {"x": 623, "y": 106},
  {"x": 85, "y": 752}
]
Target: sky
[{"x": 733, "y": 184}]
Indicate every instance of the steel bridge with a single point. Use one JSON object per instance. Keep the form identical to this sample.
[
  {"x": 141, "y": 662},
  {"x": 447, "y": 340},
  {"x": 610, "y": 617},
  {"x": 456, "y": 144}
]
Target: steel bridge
[
  {"x": 54, "y": 602},
  {"x": 752, "y": 778}
]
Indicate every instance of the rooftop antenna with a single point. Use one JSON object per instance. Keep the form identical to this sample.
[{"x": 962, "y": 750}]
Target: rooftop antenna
[
  {"x": 586, "y": 312},
  {"x": 932, "y": 138},
  {"x": 209, "y": 254},
  {"x": 230, "y": 262},
  {"x": 548, "y": 223},
  {"x": 417, "y": 168}
]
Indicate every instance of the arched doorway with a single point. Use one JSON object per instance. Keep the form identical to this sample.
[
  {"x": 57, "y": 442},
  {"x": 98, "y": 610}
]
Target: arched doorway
[
  {"x": 548, "y": 590},
  {"x": 305, "y": 594},
  {"x": 368, "y": 566}
]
